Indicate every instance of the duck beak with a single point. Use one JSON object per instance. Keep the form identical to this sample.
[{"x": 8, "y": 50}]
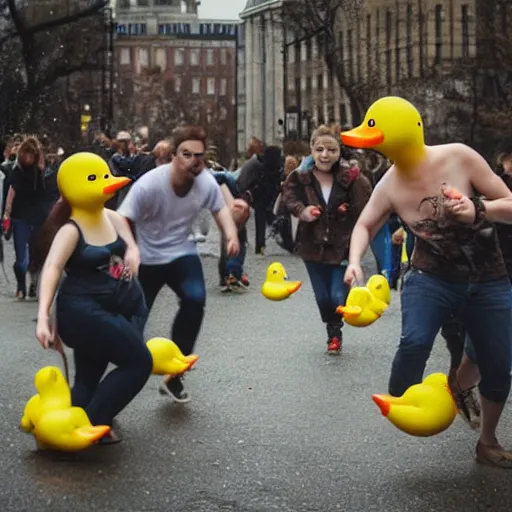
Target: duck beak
[
  {"x": 92, "y": 433},
  {"x": 191, "y": 360},
  {"x": 362, "y": 137},
  {"x": 116, "y": 184},
  {"x": 382, "y": 404},
  {"x": 295, "y": 286},
  {"x": 349, "y": 311}
]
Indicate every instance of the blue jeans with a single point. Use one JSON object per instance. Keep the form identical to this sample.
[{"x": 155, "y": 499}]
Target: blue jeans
[
  {"x": 21, "y": 234},
  {"x": 484, "y": 308},
  {"x": 330, "y": 292},
  {"x": 185, "y": 278},
  {"x": 382, "y": 250},
  {"x": 233, "y": 266}
]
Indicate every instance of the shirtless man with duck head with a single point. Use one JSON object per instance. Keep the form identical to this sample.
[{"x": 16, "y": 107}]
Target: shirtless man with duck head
[{"x": 457, "y": 266}]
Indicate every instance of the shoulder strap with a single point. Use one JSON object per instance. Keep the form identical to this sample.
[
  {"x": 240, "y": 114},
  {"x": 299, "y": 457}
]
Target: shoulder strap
[{"x": 80, "y": 234}]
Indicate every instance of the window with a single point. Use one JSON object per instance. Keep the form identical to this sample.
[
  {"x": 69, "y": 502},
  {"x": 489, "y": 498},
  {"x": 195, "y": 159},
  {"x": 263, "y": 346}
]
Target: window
[
  {"x": 143, "y": 57},
  {"x": 223, "y": 86},
  {"x": 350, "y": 37},
  {"x": 369, "y": 46},
  {"x": 194, "y": 57},
  {"x": 439, "y": 33},
  {"x": 388, "y": 46},
  {"x": 465, "y": 31},
  {"x": 209, "y": 57},
  {"x": 137, "y": 29},
  {"x": 161, "y": 58},
  {"x": 223, "y": 56},
  {"x": 303, "y": 52},
  {"x": 408, "y": 36},
  {"x": 308, "y": 84},
  {"x": 210, "y": 86},
  {"x": 177, "y": 84},
  {"x": 143, "y": 3},
  {"x": 320, "y": 82},
  {"x": 309, "y": 50},
  {"x": 291, "y": 54},
  {"x": 196, "y": 85},
  {"x": 179, "y": 56},
  {"x": 223, "y": 113},
  {"x": 174, "y": 29},
  {"x": 125, "y": 56},
  {"x": 343, "y": 114},
  {"x": 377, "y": 46}
]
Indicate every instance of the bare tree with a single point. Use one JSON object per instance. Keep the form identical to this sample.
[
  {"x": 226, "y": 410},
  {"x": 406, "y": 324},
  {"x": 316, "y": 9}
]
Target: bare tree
[
  {"x": 150, "y": 99},
  {"x": 42, "y": 44}
]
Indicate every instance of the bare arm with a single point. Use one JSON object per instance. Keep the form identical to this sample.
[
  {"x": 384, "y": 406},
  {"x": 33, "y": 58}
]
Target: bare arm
[
  {"x": 228, "y": 196},
  {"x": 226, "y": 224},
  {"x": 8, "y": 202},
  {"x": 122, "y": 226},
  {"x": 374, "y": 215},
  {"x": 61, "y": 250},
  {"x": 499, "y": 210},
  {"x": 483, "y": 179}
]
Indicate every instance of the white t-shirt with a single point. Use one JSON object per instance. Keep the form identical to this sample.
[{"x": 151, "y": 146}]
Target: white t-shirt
[{"x": 162, "y": 219}]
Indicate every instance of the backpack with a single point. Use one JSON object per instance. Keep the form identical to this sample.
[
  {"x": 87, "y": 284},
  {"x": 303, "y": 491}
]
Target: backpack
[{"x": 281, "y": 229}]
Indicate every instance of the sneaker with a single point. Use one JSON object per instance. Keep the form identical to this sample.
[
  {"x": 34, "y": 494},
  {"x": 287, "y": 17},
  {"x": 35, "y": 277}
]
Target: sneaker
[
  {"x": 225, "y": 285},
  {"x": 237, "y": 286},
  {"x": 334, "y": 346},
  {"x": 199, "y": 238},
  {"x": 174, "y": 389},
  {"x": 245, "y": 280},
  {"x": 20, "y": 295}
]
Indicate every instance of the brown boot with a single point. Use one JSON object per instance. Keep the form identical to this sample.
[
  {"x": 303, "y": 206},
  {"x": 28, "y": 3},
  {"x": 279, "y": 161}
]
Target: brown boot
[{"x": 494, "y": 456}]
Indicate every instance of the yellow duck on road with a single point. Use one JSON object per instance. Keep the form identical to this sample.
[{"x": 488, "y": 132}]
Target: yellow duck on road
[
  {"x": 168, "y": 358},
  {"x": 52, "y": 420},
  {"x": 365, "y": 304},
  {"x": 276, "y": 286},
  {"x": 424, "y": 410}
]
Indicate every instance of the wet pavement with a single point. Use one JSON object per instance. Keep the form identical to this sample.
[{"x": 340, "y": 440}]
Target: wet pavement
[{"x": 274, "y": 423}]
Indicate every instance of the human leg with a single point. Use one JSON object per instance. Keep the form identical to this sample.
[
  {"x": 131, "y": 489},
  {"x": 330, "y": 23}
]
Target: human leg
[
  {"x": 488, "y": 320},
  {"x": 329, "y": 294},
  {"x": 151, "y": 279},
  {"x": 99, "y": 337},
  {"x": 185, "y": 277},
  {"x": 21, "y": 233},
  {"x": 427, "y": 302}
]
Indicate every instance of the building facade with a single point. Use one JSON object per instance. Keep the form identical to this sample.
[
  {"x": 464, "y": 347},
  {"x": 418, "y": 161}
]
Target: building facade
[{"x": 194, "y": 59}]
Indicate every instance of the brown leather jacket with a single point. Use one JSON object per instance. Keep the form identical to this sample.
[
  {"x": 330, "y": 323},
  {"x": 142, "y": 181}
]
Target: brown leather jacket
[{"x": 326, "y": 240}]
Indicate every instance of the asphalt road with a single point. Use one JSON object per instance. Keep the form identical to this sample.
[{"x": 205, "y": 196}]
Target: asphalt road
[{"x": 274, "y": 423}]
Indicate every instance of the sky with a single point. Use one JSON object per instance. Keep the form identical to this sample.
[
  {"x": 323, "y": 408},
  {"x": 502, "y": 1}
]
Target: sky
[{"x": 221, "y": 9}]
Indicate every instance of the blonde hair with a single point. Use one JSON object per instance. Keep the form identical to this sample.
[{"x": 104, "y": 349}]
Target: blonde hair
[
  {"x": 325, "y": 131},
  {"x": 290, "y": 164}
]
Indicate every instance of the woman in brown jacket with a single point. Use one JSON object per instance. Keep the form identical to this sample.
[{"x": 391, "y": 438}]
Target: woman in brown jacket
[{"x": 327, "y": 198}]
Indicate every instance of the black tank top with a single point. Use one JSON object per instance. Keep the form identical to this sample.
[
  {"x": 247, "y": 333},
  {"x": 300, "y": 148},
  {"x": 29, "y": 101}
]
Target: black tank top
[{"x": 98, "y": 272}]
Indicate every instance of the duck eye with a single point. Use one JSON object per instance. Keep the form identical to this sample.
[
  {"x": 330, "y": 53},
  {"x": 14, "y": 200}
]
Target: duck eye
[
  {"x": 106, "y": 176},
  {"x": 371, "y": 123},
  {"x": 274, "y": 272},
  {"x": 419, "y": 124},
  {"x": 91, "y": 177}
]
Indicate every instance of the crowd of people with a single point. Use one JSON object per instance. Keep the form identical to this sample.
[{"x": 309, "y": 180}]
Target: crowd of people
[{"x": 317, "y": 205}]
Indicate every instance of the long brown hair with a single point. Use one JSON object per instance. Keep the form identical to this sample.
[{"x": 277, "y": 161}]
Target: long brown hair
[{"x": 43, "y": 239}]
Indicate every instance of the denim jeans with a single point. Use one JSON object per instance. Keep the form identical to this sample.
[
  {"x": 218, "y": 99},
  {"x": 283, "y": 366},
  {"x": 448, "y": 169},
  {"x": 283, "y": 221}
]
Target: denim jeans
[
  {"x": 381, "y": 248},
  {"x": 329, "y": 289},
  {"x": 484, "y": 308},
  {"x": 21, "y": 234},
  {"x": 98, "y": 336},
  {"x": 233, "y": 266},
  {"x": 185, "y": 278}
]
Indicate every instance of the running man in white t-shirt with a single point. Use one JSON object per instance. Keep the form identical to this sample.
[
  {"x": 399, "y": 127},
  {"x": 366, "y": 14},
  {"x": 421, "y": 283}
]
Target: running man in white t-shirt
[{"x": 163, "y": 205}]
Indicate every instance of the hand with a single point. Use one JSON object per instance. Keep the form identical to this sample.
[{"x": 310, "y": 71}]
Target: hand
[
  {"x": 240, "y": 211},
  {"x": 462, "y": 210},
  {"x": 44, "y": 333},
  {"x": 310, "y": 213},
  {"x": 397, "y": 238},
  {"x": 132, "y": 260},
  {"x": 233, "y": 247},
  {"x": 354, "y": 275}
]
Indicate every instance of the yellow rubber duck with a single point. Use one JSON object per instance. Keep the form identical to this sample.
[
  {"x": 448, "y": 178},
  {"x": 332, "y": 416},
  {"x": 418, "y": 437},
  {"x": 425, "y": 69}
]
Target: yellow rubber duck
[
  {"x": 424, "y": 410},
  {"x": 52, "y": 420},
  {"x": 365, "y": 304},
  {"x": 394, "y": 127},
  {"x": 84, "y": 179},
  {"x": 276, "y": 286},
  {"x": 168, "y": 358},
  {"x": 67, "y": 430},
  {"x": 53, "y": 393}
]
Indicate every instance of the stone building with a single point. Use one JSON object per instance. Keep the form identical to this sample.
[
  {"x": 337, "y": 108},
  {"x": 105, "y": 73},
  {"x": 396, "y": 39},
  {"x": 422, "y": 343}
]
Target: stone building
[{"x": 197, "y": 59}]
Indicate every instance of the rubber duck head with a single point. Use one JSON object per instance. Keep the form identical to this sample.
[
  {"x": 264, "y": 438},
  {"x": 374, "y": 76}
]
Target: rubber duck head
[
  {"x": 379, "y": 286},
  {"x": 276, "y": 273},
  {"x": 85, "y": 181},
  {"x": 393, "y": 127},
  {"x": 50, "y": 379}
]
